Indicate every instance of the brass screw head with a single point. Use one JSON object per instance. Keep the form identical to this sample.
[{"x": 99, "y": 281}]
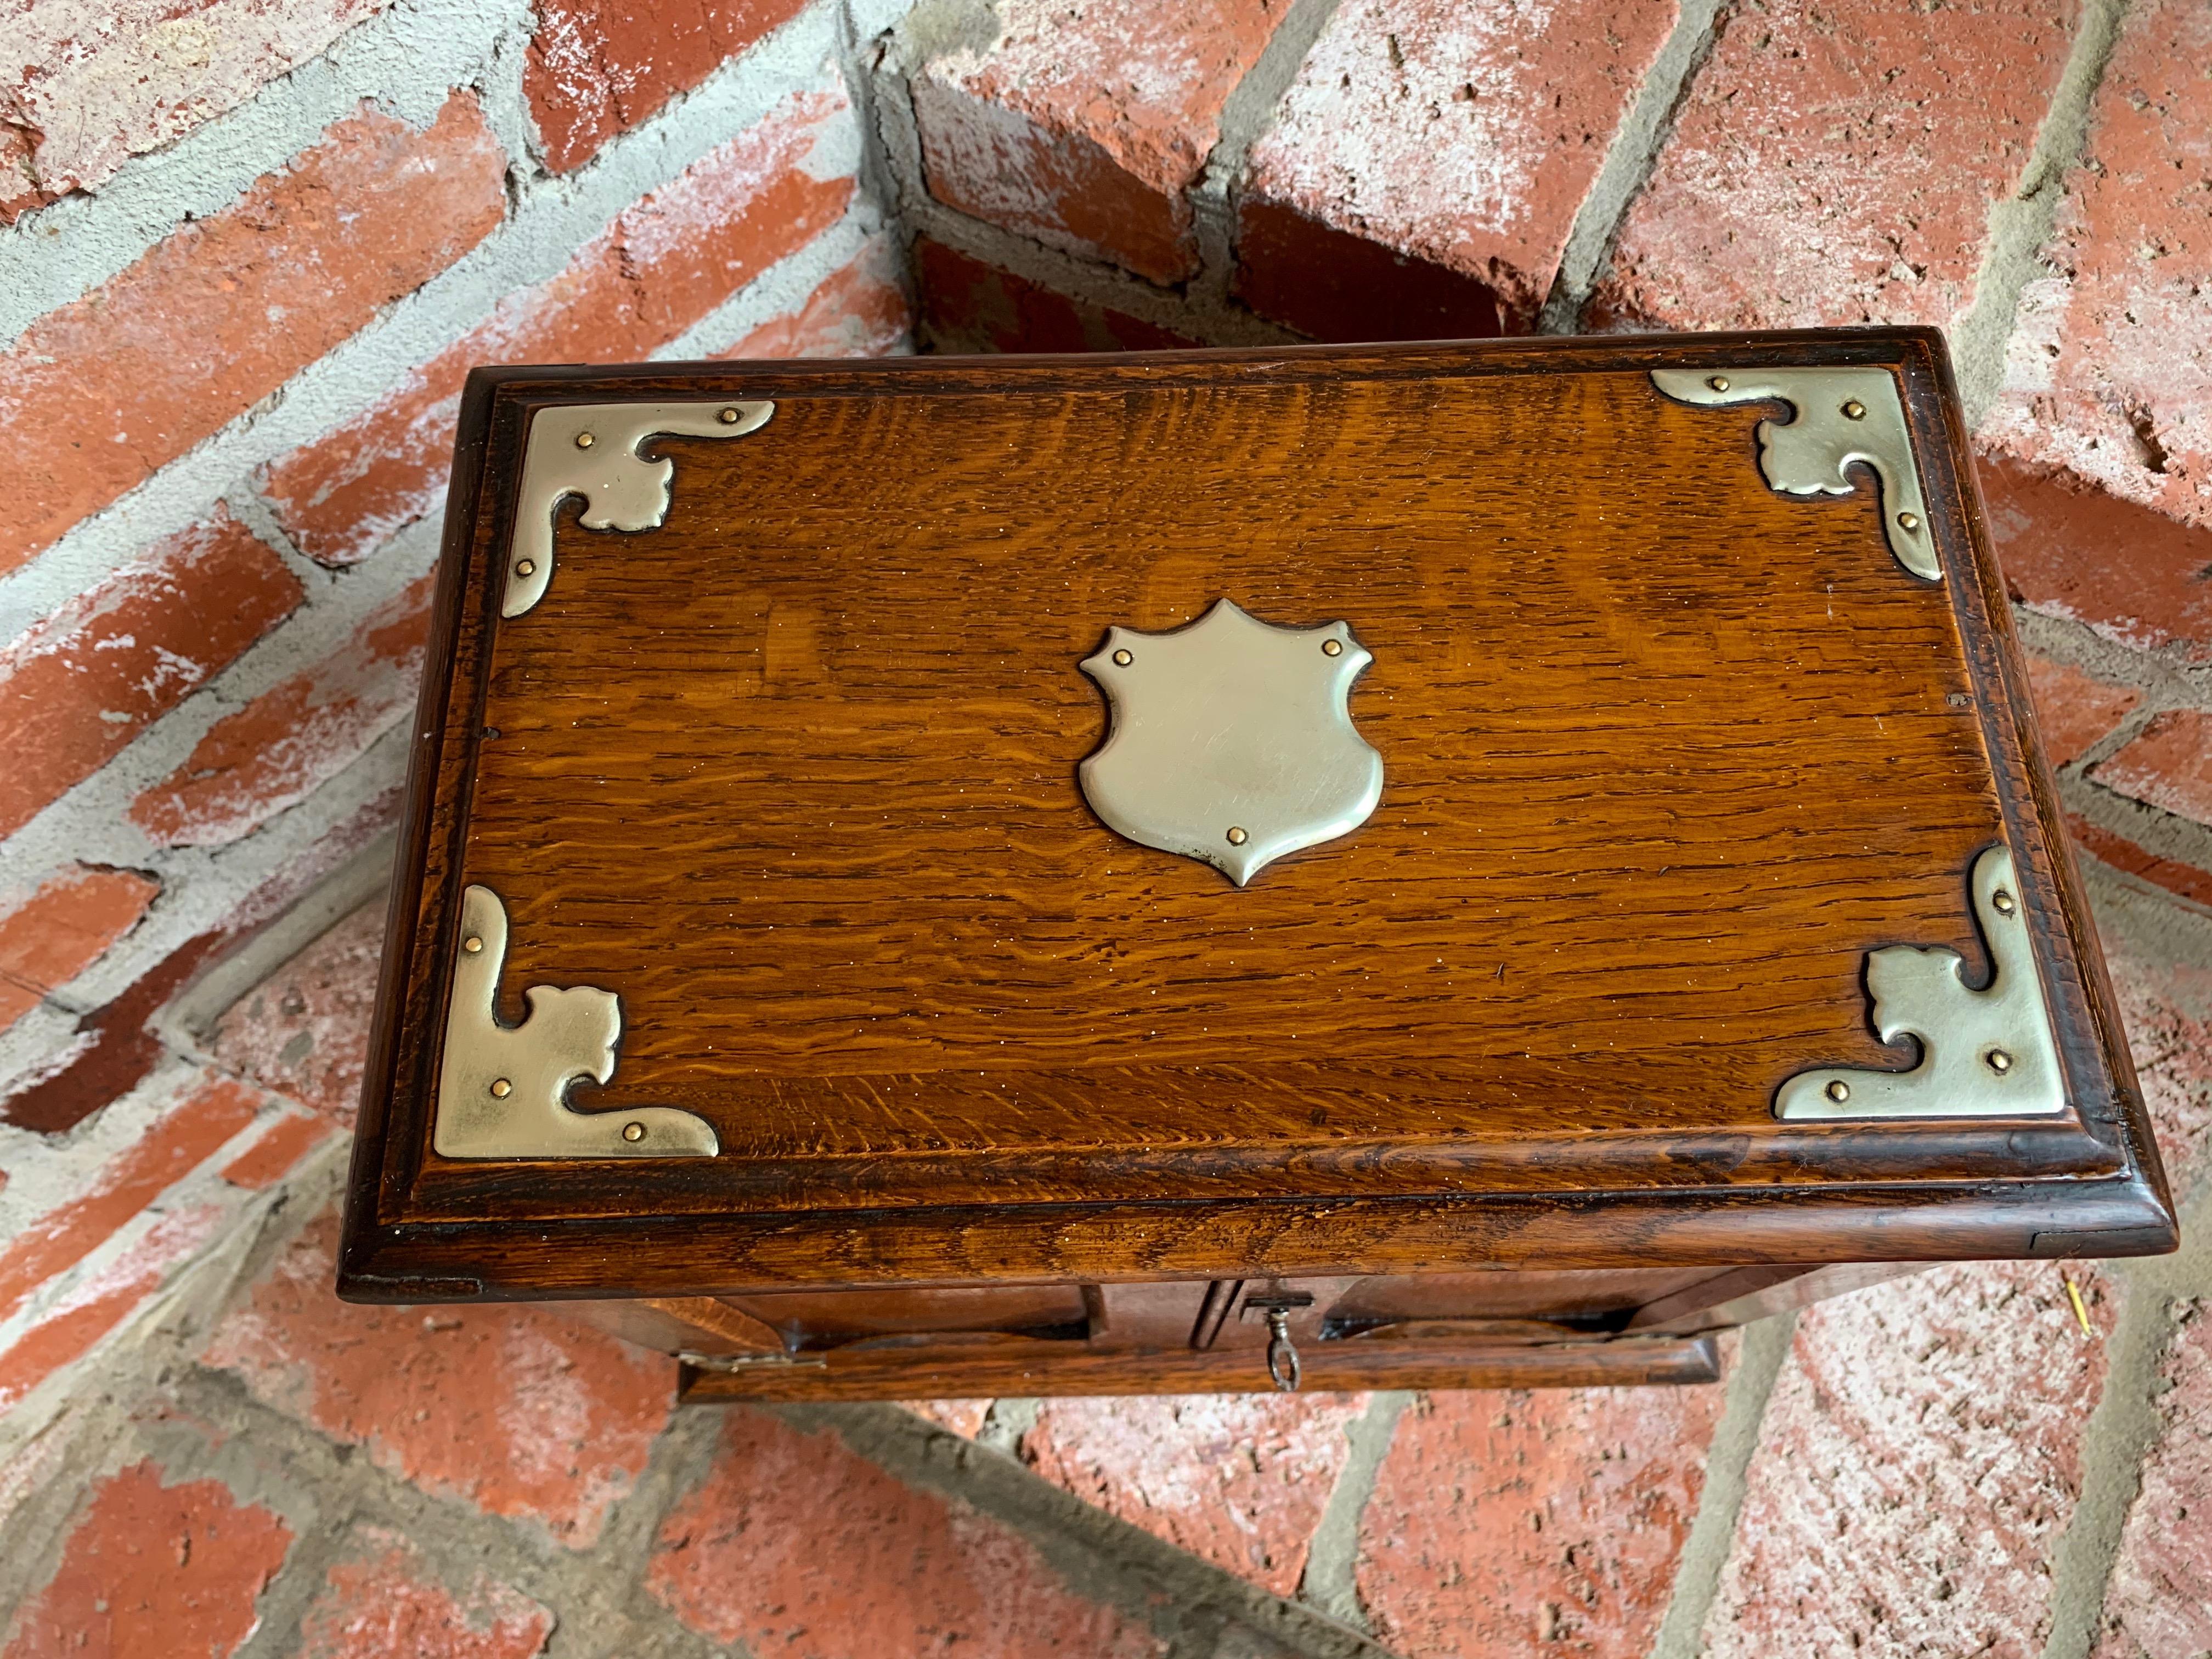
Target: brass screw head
[
  {"x": 1718, "y": 382},
  {"x": 1332, "y": 648},
  {"x": 728, "y": 418},
  {"x": 526, "y": 567},
  {"x": 1123, "y": 659},
  {"x": 1839, "y": 1092},
  {"x": 1236, "y": 836},
  {"x": 585, "y": 440},
  {"x": 501, "y": 1088},
  {"x": 472, "y": 944},
  {"x": 633, "y": 1132},
  {"x": 1854, "y": 411},
  {"x": 1998, "y": 1061},
  {"x": 1908, "y": 521},
  {"x": 2003, "y": 903}
]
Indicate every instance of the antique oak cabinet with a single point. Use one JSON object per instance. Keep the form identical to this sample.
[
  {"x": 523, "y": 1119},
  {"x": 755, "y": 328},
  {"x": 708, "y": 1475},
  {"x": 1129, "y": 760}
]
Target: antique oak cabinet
[{"x": 1469, "y": 864}]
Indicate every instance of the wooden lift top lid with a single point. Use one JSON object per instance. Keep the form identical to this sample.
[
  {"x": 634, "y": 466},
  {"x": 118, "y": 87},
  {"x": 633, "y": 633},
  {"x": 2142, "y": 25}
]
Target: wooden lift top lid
[{"x": 758, "y": 923}]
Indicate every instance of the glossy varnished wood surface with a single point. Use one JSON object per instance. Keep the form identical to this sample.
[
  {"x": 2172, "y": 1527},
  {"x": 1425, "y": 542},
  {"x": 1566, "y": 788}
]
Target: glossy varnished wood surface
[{"x": 1667, "y": 754}]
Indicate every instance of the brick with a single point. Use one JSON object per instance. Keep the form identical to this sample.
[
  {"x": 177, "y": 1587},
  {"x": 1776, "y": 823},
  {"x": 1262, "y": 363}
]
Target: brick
[
  {"x": 294, "y": 737},
  {"x": 303, "y": 1032},
  {"x": 1836, "y": 163},
  {"x": 2167, "y": 764},
  {"x": 964, "y": 1417},
  {"x": 57, "y": 932},
  {"x": 106, "y": 390},
  {"x": 968, "y": 306},
  {"x": 385, "y": 1601},
  {"x": 2074, "y": 711},
  {"x": 1920, "y": 1458},
  {"x": 2109, "y": 372},
  {"x": 596, "y": 68},
  {"x": 1463, "y": 139},
  {"x": 171, "y": 1148},
  {"x": 78, "y": 686},
  {"x": 91, "y": 83},
  {"x": 744, "y": 1557},
  {"x": 2166, "y": 1007},
  {"x": 858, "y": 310},
  {"x": 1237, "y": 1479},
  {"x": 2158, "y": 1601},
  {"x": 663, "y": 264},
  {"x": 1335, "y": 285},
  {"x": 153, "y": 1568},
  {"x": 115, "y": 1047},
  {"x": 2132, "y": 574},
  {"x": 1514, "y": 1522},
  {"x": 1085, "y": 122},
  {"x": 278, "y": 1151},
  {"x": 77, "y": 1322},
  {"x": 2185, "y": 880},
  {"x": 507, "y": 1407}
]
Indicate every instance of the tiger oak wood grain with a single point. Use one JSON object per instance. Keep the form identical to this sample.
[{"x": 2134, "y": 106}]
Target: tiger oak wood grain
[{"x": 1667, "y": 754}]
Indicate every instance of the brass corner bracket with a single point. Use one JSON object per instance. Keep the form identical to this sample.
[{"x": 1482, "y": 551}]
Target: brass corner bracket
[
  {"x": 502, "y": 1090},
  {"x": 1986, "y": 1053},
  {"x": 591, "y": 449},
  {"x": 1843, "y": 415}
]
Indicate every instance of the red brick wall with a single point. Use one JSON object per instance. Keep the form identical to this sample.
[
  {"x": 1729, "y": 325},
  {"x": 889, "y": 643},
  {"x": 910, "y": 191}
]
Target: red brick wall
[{"x": 251, "y": 248}]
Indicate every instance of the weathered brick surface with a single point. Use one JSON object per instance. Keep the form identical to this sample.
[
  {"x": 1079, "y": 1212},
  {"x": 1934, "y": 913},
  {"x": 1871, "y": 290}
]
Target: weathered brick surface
[
  {"x": 228, "y": 308},
  {"x": 1336, "y": 285},
  {"x": 858, "y": 310},
  {"x": 509, "y": 1407},
  {"x": 48, "y": 937},
  {"x": 152, "y": 1567},
  {"x": 1086, "y": 122},
  {"x": 2157, "y": 1602},
  {"x": 90, "y": 83},
  {"x": 172, "y": 1146},
  {"x": 964, "y": 1417},
  {"x": 70, "y": 1327},
  {"x": 298, "y": 735},
  {"x": 1510, "y": 1523},
  {"x": 1836, "y": 163},
  {"x": 1238, "y": 1479},
  {"x": 1921, "y": 1456},
  {"x": 2109, "y": 374},
  {"x": 968, "y": 306},
  {"x": 662, "y": 266},
  {"x": 384, "y": 1600},
  {"x": 1467, "y": 137},
  {"x": 2134, "y": 575},
  {"x": 745, "y": 1557},
  {"x": 2074, "y": 711},
  {"x": 2186, "y": 880},
  {"x": 2169, "y": 763},
  {"x": 303, "y": 1032},
  {"x": 277, "y": 1150},
  {"x": 598, "y": 67},
  {"x": 2166, "y": 1007},
  {"x": 80, "y": 685}
]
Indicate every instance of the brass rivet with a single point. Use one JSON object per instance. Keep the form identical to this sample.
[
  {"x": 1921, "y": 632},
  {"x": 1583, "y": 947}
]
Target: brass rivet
[
  {"x": 2004, "y": 903},
  {"x": 1718, "y": 382},
  {"x": 633, "y": 1132},
  {"x": 1998, "y": 1061},
  {"x": 1332, "y": 648},
  {"x": 1236, "y": 836},
  {"x": 1908, "y": 521},
  {"x": 472, "y": 944},
  {"x": 1123, "y": 659},
  {"x": 524, "y": 567},
  {"x": 729, "y": 417},
  {"x": 501, "y": 1088},
  {"x": 1854, "y": 411},
  {"x": 585, "y": 440},
  {"x": 1839, "y": 1092}
]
